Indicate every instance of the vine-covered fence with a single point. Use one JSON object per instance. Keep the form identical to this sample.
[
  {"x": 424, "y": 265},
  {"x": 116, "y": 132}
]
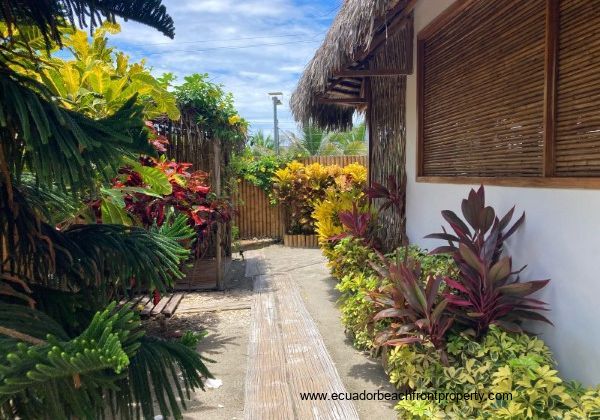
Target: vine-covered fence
[{"x": 256, "y": 217}]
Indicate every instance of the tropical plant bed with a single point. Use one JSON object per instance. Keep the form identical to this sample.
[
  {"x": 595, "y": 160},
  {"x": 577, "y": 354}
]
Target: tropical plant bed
[
  {"x": 301, "y": 241},
  {"x": 452, "y": 321}
]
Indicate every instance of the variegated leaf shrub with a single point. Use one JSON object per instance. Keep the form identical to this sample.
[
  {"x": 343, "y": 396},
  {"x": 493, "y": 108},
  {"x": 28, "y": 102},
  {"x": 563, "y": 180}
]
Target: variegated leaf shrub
[{"x": 299, "y": 188}]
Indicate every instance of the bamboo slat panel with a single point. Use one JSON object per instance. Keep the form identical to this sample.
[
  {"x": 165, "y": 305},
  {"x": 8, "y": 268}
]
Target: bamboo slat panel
[
  {"x": 578, "y": 99},
  {"x": 301, "y": 241},
  {"x": 336, "y": 160},
  {"x": 257, "y": 218},
  {"x": 386, "y": 119},
  {"x": 482, "y": 98}
]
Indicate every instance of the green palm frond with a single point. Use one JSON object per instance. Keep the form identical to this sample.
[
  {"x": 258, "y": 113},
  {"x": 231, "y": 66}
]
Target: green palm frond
[
  {"x": 50, "y": 15},
  {"x": 123, "y": 252},
  {"x": 84, "y": 255},
  {"x": 314, "y": 141},
  {"x": 55, "y": 205},
  {"x": 175, "y": 227}
]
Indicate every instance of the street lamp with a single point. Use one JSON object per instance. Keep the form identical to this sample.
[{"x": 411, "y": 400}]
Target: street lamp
[{"x": 276, "y": 101}]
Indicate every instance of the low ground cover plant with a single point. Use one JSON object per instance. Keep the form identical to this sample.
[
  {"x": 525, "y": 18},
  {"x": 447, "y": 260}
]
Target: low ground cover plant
[{"x": 452, "y": 321}]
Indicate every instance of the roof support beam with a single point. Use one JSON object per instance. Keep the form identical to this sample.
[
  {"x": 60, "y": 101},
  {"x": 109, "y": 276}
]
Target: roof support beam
[
  {"x": 369, "y": 73},
  {"x": 343, "y": 101},
  {"x": 350, "y": 92}
]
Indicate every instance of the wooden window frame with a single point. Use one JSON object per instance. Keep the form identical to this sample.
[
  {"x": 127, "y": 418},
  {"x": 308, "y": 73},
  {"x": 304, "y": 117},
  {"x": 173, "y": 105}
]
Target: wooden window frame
[{"x": 547, "y": 178}]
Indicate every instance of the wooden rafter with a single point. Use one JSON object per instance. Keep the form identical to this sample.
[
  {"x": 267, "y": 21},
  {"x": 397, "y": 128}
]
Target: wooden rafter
[
  {"x": 369, "y": 73},
  {"x": 343, "y": 101},
  {"x": 352, "y": 92}
]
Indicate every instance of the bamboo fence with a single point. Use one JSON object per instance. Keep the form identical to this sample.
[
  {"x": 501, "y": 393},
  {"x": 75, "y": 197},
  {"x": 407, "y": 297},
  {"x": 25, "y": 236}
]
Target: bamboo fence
[{"x": 256, "y": 217}]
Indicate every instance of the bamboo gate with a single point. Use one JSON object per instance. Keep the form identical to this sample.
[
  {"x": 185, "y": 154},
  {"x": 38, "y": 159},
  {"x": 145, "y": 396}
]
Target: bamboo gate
[{"x": 189, "y": 142}]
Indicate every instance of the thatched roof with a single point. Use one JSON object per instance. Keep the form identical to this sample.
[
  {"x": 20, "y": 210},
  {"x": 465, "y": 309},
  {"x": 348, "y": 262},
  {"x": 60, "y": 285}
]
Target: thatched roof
[{"x": 345, "y": 46}]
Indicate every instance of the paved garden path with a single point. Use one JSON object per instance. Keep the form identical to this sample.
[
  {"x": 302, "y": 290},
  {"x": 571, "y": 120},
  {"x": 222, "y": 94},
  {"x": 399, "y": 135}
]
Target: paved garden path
[{"x": 287, "y": 355}]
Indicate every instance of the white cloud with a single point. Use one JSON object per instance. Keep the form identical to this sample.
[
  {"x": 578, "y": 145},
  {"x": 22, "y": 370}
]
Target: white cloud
[{"x": 252, "y": 47}]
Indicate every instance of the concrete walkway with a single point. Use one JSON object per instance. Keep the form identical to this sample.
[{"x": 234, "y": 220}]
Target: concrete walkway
[{"x": 287, "y": 353}]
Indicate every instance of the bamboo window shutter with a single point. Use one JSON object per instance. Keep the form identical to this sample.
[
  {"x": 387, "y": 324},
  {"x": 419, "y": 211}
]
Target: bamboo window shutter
[
  {"x": 578, "y": 98},
  {"x": 509, "y": 91}
]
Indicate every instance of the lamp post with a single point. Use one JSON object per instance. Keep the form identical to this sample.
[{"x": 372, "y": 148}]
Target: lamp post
[{"x": 276, "y": 101}]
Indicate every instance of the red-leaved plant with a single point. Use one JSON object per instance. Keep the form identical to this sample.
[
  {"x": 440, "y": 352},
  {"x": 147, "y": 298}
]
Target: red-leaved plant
[
  {"x": 486, "y": 290},
  {"x": 362, "y": 224},
  {"x": 418, "y": 313},
  {"x": 190, "y": 193},
  {"x": 392, "y": 196},
  {"x": 358, "y": 224}
]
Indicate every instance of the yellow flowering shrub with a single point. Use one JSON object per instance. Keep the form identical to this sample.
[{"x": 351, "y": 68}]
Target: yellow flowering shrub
[
  {"x": 347, "y": 191},
  {"x": 234, "y": 119}
]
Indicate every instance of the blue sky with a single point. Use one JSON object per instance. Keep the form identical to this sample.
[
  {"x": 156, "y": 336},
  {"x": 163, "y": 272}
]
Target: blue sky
[{"x": 252, "y": 47}]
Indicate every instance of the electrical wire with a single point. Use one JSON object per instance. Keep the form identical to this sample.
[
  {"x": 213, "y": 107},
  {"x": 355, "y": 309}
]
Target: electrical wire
[
  {"x": 235, "y": 47},
  {"x": 230, "y": 39}
]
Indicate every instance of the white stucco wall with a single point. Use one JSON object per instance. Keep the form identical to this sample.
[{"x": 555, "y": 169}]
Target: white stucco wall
[{"x": 559, "y": 240}]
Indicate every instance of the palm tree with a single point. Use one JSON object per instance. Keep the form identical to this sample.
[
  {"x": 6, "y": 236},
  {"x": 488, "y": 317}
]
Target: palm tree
[
  {"x": 314, "y": 141},
  {"x": 66, "y": 351},
  {"x": 353, "y": 142},
  {"x": 261, "y": 144}
]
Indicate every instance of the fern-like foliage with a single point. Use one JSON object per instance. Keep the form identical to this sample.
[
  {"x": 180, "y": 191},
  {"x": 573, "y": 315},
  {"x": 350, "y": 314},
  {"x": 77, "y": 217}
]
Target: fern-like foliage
[
  {"x": 110, "y": 367},
  {"x": 63, "y": 147},
  {"x": 156, "y": 369},
  {"x": 60, "y": 378}
]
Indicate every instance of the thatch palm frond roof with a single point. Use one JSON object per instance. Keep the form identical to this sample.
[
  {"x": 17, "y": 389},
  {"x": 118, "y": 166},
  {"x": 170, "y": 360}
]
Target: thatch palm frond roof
[{"x": 345, "y": 46}]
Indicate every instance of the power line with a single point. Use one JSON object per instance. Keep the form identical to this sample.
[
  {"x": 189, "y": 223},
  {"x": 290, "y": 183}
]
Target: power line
[
  {"x": 330, "y": 11},
  {"x": 230, "y": 39},
  {"x": 235, "y": 47}
]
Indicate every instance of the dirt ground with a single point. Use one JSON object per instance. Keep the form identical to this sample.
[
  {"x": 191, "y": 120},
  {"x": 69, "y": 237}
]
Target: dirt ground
[{"x": 226, "y": 317}]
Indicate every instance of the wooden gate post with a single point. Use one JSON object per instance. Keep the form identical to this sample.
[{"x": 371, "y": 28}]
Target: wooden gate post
[{"x": 218, "y": 256}]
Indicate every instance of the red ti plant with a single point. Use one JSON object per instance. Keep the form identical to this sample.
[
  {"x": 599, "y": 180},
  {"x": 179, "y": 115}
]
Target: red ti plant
[
  {"x": 418, "y": 313},
  {"x": 487, "y": 290},
  {"x": 392, "y": 195},
  {"x": 358, "y": 224}
]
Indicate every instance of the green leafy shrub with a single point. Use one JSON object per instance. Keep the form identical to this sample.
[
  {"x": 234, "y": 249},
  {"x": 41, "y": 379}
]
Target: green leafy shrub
[
  {"x": 350, "y": 256},
  {"x": 258, "y": 170},
  {"x": 351, "y": 262},
  {"x": 502, "y": 363},
  {"x": 357, "y": 309},
  {"x": 587, "y": 402},
  {"x": 210, "y": 106}
]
